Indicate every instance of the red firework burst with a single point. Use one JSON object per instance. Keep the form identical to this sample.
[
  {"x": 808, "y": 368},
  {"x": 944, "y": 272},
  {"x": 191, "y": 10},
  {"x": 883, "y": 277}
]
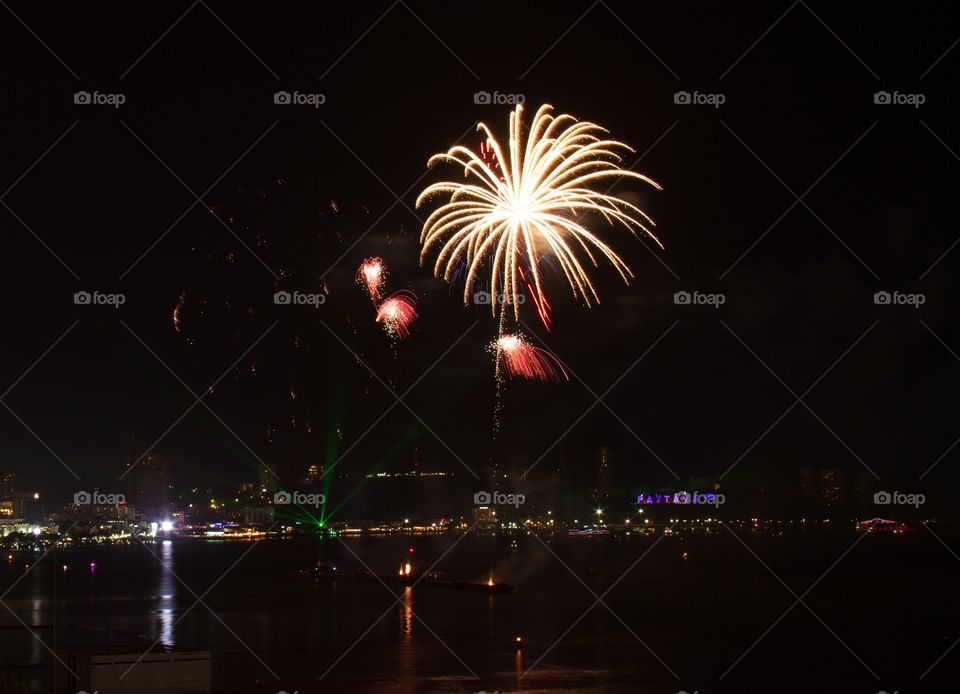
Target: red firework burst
[
  {"x": 398, "y": 312},
  {"x": 523, "y": 360}
]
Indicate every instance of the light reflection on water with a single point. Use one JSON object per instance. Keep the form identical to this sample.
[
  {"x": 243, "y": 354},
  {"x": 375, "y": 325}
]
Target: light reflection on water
[
  {"x": 407, "y": 619},
  {"x": 36, "y": 617},
  {"x": 406, "y": 657},
  {"x": 166, "y": 589}
]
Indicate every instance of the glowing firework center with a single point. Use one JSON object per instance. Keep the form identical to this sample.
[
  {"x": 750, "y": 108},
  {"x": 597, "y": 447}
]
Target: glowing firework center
[{"x": 520, "y": 204}]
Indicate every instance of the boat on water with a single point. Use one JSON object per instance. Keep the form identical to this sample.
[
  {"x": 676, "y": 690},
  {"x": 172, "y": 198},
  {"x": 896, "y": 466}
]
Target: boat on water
[
  {"x": 883, "y": 525},
  {"x": 589, "y": 531}
]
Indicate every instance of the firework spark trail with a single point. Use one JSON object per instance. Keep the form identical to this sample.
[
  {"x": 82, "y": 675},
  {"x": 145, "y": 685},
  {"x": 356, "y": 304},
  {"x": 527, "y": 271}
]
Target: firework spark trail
[
  {"x": 523, "y": 360},
  {"x": 371, "y": 275},
  {"x": 528, "y": 202},
  {"x": 541, "y": 304},
  {"x": 397, "y": 313},
  {"x": 177, "y": 310}
]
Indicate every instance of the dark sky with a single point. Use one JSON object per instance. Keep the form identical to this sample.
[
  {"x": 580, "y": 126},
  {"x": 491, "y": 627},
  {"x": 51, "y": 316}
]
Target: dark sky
[{"x": 878, "y": 184}]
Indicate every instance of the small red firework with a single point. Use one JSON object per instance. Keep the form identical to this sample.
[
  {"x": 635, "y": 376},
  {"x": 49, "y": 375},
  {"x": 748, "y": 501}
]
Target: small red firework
[
  {"x": 398, "y": 312},
  {"x": 523, "y": 360},
  {"x": 371, "y": 275}
]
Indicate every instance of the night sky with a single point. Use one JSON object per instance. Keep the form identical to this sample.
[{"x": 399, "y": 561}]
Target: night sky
[{"x": 876, "y": 184}]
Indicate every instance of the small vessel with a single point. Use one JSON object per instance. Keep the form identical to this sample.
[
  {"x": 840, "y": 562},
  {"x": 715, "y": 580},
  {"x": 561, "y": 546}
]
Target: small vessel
[
  {"x": 883, "y": 525},
  {"x": 589, "y": 530}
]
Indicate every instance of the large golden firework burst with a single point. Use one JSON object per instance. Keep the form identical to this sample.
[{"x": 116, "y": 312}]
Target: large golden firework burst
[{"x": 529, "y": 202}]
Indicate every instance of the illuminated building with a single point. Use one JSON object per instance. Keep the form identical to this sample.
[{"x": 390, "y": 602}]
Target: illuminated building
[
  {"x": 115, "y": 512},
  {"x": 27, "y": 507},
  {"x": 314, "y": 473},
  {"x": 484, "y": 514},
  {"x": 266, "y": 478},
  {"x": 604, "y": 476},
  {"x": 832, "y": 486},
  {"x": 415, "y": 461}
]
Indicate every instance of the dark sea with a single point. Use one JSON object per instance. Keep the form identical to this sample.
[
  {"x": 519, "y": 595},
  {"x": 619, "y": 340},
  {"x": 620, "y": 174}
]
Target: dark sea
[{"x": 645, "y": 614}]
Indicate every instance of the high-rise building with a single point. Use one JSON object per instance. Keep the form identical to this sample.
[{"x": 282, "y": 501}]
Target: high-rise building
[
  {"x": 7, "y": 485},
  {"x": 149, "y": 486},
  {"x": 832, "y": 488},
  {"x": 415, "y": 460},
  {"x": 484, "y": 514},
  {"x": 603, "y": 484},
  {"x": 27, "y": 506},
  {"x": 266, "y": 479}
]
